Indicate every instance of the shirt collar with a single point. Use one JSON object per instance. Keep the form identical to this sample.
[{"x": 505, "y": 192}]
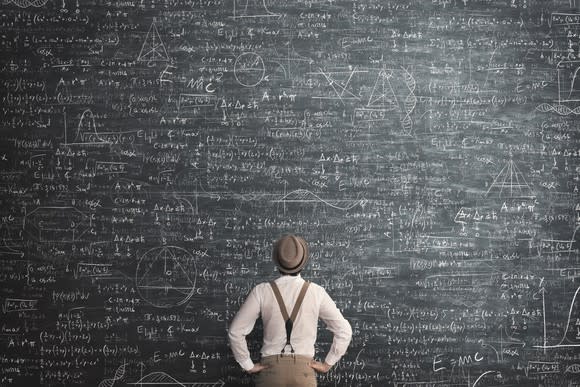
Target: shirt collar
[{"x": 288, "y": 278}]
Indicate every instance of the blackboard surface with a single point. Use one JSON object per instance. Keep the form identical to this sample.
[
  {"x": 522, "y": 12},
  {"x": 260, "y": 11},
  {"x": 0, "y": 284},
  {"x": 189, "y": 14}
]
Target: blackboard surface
[{"x": 152, "y": 150}]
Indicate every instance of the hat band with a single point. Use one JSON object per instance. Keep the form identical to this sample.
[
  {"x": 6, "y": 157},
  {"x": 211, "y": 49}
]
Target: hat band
[{"x": 294, "y": 267}]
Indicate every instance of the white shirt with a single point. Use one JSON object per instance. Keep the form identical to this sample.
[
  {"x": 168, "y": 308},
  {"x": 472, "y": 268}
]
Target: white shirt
[{"x": 316, "y": 304}]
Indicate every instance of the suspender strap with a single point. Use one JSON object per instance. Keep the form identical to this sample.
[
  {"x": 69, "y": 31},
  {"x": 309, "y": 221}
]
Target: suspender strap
[
  {"x": 280, "y": 300},
  {"x": 299, "y": 300},
  {"x": 289, "y": 321}
]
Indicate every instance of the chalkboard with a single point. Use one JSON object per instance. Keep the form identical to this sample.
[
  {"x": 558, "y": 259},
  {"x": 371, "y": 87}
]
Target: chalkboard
[{"x": 151, "y": 151}]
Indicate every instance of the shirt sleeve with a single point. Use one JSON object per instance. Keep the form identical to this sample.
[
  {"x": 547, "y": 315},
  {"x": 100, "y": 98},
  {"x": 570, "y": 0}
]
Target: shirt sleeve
[
  {"x": 338, "y": 325},
  {"x": 241, "y": 326}
]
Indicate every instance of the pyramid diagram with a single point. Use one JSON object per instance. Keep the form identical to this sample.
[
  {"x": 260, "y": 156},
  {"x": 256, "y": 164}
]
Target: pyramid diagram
[
  {"x": 383, "y": 95},
  {"x": 509, "y": 183},
  {"x": 153, "y": 49}
]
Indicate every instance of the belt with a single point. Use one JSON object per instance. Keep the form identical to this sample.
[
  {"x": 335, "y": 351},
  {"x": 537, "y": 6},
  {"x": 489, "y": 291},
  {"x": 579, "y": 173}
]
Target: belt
[{"x": 288, "y": 356}]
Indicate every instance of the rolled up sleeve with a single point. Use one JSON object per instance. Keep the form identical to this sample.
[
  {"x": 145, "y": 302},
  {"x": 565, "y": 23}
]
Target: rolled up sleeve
[
  {"x": 240, "y": 327},
  {"x": 339, "y": 326}
]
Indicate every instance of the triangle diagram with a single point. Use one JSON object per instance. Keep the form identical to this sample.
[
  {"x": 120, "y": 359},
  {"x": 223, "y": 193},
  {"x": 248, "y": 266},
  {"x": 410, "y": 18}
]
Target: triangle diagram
[
  {"x": 510, "y": 183},
  {"x": 383, "y": 95},
  {"x": 165, "y": 272},
  {"x": 153, "y": 49}
]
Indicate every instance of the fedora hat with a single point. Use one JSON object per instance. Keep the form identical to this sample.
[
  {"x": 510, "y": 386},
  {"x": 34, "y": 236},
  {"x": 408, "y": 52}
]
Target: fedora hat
[{"x": 290, "y": 254}]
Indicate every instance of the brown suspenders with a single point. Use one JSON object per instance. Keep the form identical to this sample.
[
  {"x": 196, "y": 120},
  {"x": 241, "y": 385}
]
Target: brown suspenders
[{"x": 289, "y": 319}]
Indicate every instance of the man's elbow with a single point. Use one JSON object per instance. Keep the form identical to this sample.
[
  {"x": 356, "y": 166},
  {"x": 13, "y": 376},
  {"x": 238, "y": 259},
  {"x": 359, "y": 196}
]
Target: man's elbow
[
  {"x": 348, "y": 331},
  {"x": 234, "y": 335},
  {"x": 344, "y": 332}
]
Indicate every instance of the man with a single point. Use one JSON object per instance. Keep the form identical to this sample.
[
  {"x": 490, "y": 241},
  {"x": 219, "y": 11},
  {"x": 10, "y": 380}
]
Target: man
[{"x": 288, "y": 343}]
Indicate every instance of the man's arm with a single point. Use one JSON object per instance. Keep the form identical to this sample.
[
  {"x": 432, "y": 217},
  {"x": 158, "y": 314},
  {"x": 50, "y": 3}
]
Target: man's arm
[
  {"x": 240, "y": 327},
  {"x": 337, "y": 324}
]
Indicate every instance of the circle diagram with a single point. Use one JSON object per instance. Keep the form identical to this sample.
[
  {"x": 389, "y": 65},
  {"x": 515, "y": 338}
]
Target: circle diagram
[
  {"x": 249, "y": 69},
  {"x": 165, "y": 276}
]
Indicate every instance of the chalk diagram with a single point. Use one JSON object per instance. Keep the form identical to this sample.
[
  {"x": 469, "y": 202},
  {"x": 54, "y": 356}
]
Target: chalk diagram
[
  {"x": 339, "y": 84},
  {"x": 7, "y": 248},
  {"x": 249, "y": 69},
  {"x": 86, "y": 131},
  {"x": 252, "y": 8},
  {"x": 56, "y": 224},
  {"x": 568, "y": 74},
  {"x": 571, "y": 337},
  {"x": 119, "y": 373},
  {"x": 153, "y": 48},
  {"x": 410, "y": 102},
  {"x": 165, "y": 276},
  {"x": 510, "y": 183},
  {"x": 290, "y": 60},
  {"x": 383, "y": 95},
  {"x": 159, "y": 379},
  {"x": 383, "y": 99},
  {"x": 28, "y": 3},
  {"x": 305, "y": 196},
  {"x": 496, "y": 375}
]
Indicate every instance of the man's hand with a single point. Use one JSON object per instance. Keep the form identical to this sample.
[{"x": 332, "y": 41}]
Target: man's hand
[
  {"x": 320, "y": 367},
  {"x": 258, "y": 367}
]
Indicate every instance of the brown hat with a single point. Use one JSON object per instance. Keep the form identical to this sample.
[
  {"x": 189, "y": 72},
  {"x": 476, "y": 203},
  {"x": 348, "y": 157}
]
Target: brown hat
[{"x": 290, "y": 254}]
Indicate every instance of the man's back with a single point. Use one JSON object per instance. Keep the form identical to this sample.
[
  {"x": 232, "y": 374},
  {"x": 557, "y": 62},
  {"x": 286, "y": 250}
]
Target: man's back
[
  {"x": 288, "y": 344},
  {"x": 316, "y": 304}
]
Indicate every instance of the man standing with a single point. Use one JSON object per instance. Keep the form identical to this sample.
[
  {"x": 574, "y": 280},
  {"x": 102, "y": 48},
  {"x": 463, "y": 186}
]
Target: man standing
[{"x": 288, "y": 344}]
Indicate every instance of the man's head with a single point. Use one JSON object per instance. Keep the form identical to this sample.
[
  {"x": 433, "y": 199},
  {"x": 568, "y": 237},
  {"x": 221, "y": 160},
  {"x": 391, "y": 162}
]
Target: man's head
[{"x": 290, "y": 254}]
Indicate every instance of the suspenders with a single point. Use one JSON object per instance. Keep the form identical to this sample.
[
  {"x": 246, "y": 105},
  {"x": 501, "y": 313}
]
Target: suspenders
[{"x": 289, "y": 320}]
